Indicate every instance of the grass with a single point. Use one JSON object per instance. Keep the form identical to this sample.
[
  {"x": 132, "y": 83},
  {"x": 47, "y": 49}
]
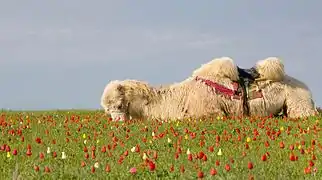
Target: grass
[{"x": 241, "y": 141}]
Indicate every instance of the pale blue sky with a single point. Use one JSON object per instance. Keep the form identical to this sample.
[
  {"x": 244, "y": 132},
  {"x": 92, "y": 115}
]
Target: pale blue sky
[{"x": 60, "y": 54}]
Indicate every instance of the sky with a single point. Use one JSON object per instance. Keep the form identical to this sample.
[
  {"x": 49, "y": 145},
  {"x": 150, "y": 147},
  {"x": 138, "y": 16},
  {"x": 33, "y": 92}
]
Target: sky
[{"x": 60, "y": 54}]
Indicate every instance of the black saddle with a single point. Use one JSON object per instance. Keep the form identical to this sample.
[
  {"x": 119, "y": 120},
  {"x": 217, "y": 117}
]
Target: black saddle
[{"x": 246, "y": 78}]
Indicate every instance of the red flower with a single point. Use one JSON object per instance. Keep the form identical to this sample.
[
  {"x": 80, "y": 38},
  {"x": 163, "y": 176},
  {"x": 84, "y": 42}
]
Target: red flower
[
  {"x": 182, "y": 170},
  {"x": 217, "y": 163},
  {"x": 211, "y": 149},
  {"x": 47, "y": 170},
  {"x": 250, "y": 165},
  {"x": 36, "y": 168},
  {"x": 38, "y": 140},
  {"x": 266, "y": 143},
  {"x": 311, "y": 163},
  {"x": 190, "y": 157},
  {"x": 213, "y": 171},
  {"x": 171, "y": 168},
  {"x": 29, "y": 153},
  {"x": 103, "y": 150},
  {"x": 41, "y": 155},
  {"x": 201, "y": 155},
  {"x": 83, "y": 164},
  {"x": 246, "y": 146},
  {"x": 292, "y": 157},
  {"x": 108, "y": 168},
  {"x": 155, "y": 155},
  {"x": 15, "y": 152},
  {"x": 126, "y": 153},
  {"x": 264, "y": 157},
  {"x": 282, "y": 144},
  {"x": 204, "y": 158},
  {"x": 200, "y": 174},
  {"x": 227, "y": 167},
  {"x": 151, "y": 166}
]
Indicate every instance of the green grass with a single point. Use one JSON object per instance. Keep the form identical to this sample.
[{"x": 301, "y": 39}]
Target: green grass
[{"x": 121, "y": 137}]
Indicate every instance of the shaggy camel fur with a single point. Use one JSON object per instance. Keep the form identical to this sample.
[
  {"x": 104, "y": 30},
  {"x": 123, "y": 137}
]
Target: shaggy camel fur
[
  {"x": 279, "y": 91},
  {"x": 193, "y": 97}
]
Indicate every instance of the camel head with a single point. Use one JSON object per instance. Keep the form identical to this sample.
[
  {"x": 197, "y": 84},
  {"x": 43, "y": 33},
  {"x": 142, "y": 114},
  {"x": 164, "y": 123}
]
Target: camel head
[{"x": 126, "y": 99}]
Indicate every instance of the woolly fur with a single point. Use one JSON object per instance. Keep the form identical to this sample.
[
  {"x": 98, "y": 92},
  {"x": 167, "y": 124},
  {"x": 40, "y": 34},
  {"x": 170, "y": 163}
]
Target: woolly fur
[
  {"x": 280, "y": 92},
  {"x": 189, "y": 98}
]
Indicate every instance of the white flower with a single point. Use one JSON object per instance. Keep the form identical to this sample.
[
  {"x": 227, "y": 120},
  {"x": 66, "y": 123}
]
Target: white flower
[
  {"x": 169, "y": 140},
  {"x": 188, "y": 152},
  {"x": 96, "y": 165},
  {"x": 133, "y": 149},
  {"x": 85, "y": 141},
  {"x": 153, "y": 134},
  {"x": 144, "y": 156},
  {"x": 48, "y": 150},
  {"x": 63, "y": 155}
]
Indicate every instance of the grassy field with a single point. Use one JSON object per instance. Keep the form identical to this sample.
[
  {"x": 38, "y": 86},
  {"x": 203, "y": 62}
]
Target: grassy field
[{"x": 87, "y": 145}]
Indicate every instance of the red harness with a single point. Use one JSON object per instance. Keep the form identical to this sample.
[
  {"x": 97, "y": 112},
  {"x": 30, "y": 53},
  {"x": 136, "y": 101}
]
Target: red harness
[{"x": 222, "y": 89}]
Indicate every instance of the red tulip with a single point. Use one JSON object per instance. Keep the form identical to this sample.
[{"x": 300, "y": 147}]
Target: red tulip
[
  {"x": 108, "y": 168},
  {"x": 47, "y": 169},
  {"x": 201, "y": 155},
  {"x": 250, "y": 165},
  {"x": 264, "y": 157},
  {"x": 15, "y": 152},
  {"x": 282, "y": 144},
  {"x": 227, "y": 167},
  {"x": 211, "y": 149},
  {"x": 29, "y": 153},
  {"x": 217, "y": 163},
  {"x": 36, "y": 168},
  {"x": 190, "y": 157},
  {"x": 200, "y": 174},
  {"x": 182, "y": 170},
  {"x": 151, "y": 166},
  {"x": 292, "y": 157},
  {"x": 311, "y": 163},
  {"x": 41, "y": 155},
  {"x": 213, "y": 171},
  {"x": 54, "y": 154},
  {"x": 103, "y": 150}
]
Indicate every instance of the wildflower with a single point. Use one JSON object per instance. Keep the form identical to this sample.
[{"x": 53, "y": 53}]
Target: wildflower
[
  {"x": 188, "y": 151},
  {"x": 8, "y": 155},
  {"x": 169, "y": 140},
  {"x": 150, "y": 141},
  {"x": 96, "y": 165},
  {"x": 63, "y": 155},
  {"x": 98, "y": 141},
  {"x": 219, "y": 152},
  {"x": 153, "y": 134},
  {"x": 213, "y": 171},
  {"x": 85, "y": 141},
  {"x": 133, "y": 170},
  {"x": 144, "y": 156},
  {"x": 177, "y": 123},
  {"x": 282, "y": 128},
  {"x": 133, "y": 149},
  {"x": 186, "y": 136},
  {"x": 248, "y": 139},
  {"x": 48, "y": 150},
  {"x": 299, "y": 147}
]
